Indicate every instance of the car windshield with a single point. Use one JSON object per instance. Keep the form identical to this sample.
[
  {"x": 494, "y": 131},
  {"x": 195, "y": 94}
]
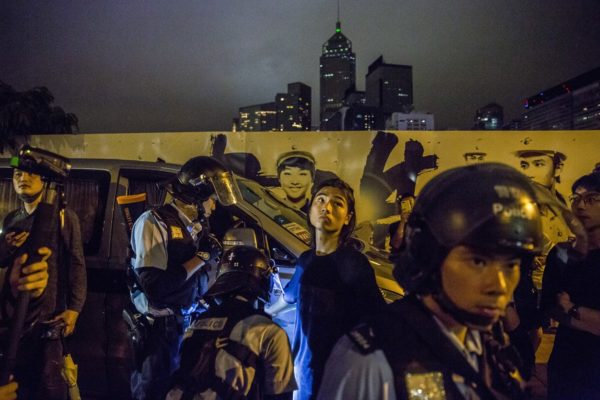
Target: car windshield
[{"x": 294, "y": 221}]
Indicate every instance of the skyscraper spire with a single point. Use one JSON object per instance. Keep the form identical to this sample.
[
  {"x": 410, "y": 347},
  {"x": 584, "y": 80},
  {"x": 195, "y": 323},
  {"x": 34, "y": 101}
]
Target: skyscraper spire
[
  {"x": 337, "y": 70},
  {"x": 338, "y": 24}
]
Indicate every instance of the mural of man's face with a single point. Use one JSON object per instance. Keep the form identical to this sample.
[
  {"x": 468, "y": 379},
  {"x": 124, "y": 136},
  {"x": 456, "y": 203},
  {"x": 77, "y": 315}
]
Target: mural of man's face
[
  {"x": 295, "y": 182},
  {"x": 474, "y": 158},
  {"x": 540, "y": 168}
]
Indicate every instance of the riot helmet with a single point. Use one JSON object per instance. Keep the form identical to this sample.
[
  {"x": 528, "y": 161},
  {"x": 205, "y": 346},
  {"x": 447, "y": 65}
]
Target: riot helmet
[
  {"x": 199, "y": 178},
  {"x": 243, "y": 270},
  {"x": 488, "y": 206}
]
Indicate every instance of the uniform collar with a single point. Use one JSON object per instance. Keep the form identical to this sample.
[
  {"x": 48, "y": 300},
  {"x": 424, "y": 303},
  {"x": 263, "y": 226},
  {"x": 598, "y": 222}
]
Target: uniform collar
[{"x": 471, "y": 348}]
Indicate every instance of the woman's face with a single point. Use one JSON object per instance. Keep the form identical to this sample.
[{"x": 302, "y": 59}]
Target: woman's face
[
  {"x": 329, "y": 211},
  {"x": 295, "y": 182}
]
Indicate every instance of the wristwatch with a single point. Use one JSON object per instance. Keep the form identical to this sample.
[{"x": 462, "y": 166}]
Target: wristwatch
[{"x": 574, "y": 312}]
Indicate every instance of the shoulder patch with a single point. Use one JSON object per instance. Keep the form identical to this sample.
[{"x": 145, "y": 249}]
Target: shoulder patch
[
  {"x": 176, "y": 232},
  {"x": 209, "y": 324},
  {"x": 429, "y": 385},
  {"x": 363, "y": 337}
]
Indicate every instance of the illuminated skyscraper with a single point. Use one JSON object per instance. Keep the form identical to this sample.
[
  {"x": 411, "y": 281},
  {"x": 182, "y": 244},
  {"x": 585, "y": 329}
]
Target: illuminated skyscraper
[
  {"x": 574, "y": 104},
  {"x": 389, "y": 87},
  {"x": 290, "y": 111},
  {"x": 489, "y": 118},
  {"x": 294, "y": 108},
  {"x": 259, "y": 117},
  {"x": 338, "y": 73}
]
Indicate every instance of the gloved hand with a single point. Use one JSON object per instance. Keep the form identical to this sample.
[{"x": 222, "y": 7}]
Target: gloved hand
[{"x": 209, "y": 248}]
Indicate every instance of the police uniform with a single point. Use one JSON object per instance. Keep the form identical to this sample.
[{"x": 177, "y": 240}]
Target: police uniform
[
  {"x": 406, "y": 353},
  {"x": 162, "y": 242},
  {"x": 233, "y": 351}
]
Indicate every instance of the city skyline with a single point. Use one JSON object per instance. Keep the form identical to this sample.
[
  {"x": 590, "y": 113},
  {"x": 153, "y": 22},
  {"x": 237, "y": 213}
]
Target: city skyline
[{"x": 189, "y": 66}]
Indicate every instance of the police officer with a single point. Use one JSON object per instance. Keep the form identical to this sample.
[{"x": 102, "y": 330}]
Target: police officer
[
  {"x": 234, "y": 350},
  {"x": 167, "y": 265},
  {"x": 469, "y": 231}
]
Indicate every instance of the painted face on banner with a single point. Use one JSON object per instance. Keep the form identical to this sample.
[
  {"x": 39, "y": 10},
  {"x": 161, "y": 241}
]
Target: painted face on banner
[
  {"x": 539, "y": 168},
  {"x": 295, "y": 182},
  {"x": 480, "y": 282},
  {"x": 474, "y": 158}
]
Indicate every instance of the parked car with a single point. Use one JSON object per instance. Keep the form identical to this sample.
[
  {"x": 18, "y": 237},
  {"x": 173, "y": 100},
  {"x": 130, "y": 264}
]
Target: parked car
[{"x": 100, "y": 345}]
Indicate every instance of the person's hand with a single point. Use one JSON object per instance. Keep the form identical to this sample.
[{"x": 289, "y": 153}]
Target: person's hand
[
  {"x": 34, "y": 277},
  {"x": 14, "y": 239},
  {"x": 9, "y": 391},
  {"x": 70, "y": 319},
  {"x": 209, "y": 248},
  {"x": 564, "y": 301}
]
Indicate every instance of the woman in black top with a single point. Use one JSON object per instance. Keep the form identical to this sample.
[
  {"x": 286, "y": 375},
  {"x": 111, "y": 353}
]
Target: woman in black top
[{"x": 333, "y": 286}]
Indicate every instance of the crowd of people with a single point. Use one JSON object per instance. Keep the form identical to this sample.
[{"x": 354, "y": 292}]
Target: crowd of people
[{"x": 463, "y": 250}]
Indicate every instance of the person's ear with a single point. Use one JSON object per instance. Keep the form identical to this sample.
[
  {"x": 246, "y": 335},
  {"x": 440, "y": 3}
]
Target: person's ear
[{"x": 348, "y": 218}]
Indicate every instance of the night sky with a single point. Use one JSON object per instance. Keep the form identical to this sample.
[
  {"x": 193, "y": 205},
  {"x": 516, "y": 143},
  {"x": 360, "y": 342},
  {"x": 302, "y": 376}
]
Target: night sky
[{"x": 145, "y": 66}]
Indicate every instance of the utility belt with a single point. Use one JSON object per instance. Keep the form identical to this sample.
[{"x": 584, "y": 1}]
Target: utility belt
[
  {"x": 167, "y": 322},
  {"x": 141, "y": 325}
]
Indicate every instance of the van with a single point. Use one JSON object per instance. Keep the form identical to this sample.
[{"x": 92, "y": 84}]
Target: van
[{"x": 100, "y": 343}]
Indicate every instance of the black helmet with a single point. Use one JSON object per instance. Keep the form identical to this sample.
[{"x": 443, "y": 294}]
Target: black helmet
[
  {"x": 199, "y": 178},
  {"x": 488, "y": 205},
  {"x": 243, "y": 269}
]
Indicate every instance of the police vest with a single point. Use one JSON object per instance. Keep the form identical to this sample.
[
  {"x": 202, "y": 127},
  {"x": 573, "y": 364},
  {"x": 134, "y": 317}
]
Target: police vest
[
  {"x": 180, "y": 248},
  {"x": 205, "y": 337},
  {"x": 422, "y": 358}
]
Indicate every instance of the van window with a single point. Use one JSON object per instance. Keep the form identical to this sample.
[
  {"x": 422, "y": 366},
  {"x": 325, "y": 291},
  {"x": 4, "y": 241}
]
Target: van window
[
  {"x": 85, "y": 191},
  {"x": 149, "y": 182}
]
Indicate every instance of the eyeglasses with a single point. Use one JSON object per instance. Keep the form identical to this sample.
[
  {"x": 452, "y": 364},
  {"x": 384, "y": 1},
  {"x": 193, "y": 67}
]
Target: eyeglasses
[{"x": 589, "y": 199}]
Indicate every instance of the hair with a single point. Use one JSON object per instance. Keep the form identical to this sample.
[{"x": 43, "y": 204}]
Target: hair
[
  {"x": 347, "y": 230},
  {"x": 298, "y": 159},
  {"x": 589, "y": 182}
]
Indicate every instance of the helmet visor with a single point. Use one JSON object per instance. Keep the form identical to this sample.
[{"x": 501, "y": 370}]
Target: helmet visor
[{"x": 226, "y": 189}]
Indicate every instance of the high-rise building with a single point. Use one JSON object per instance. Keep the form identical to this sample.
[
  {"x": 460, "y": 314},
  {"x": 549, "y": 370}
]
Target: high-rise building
[
  {"x": 489, "y": 118},
  {"x": 356, "y": 117},
  {"x": 413, "y": 121},
  {"x": 389, "y": 87},
  {"x": 294, "y": 108},
  {"x": 259, "y": 117},
  {"x": 338, "y": 73},
  {"x": 574, "y": 104}
]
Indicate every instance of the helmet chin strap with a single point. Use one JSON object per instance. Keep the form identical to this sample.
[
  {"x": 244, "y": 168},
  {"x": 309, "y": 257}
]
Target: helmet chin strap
[
  {"x": 29, "y": 198},
  {"x": 471, "y": 320}
]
